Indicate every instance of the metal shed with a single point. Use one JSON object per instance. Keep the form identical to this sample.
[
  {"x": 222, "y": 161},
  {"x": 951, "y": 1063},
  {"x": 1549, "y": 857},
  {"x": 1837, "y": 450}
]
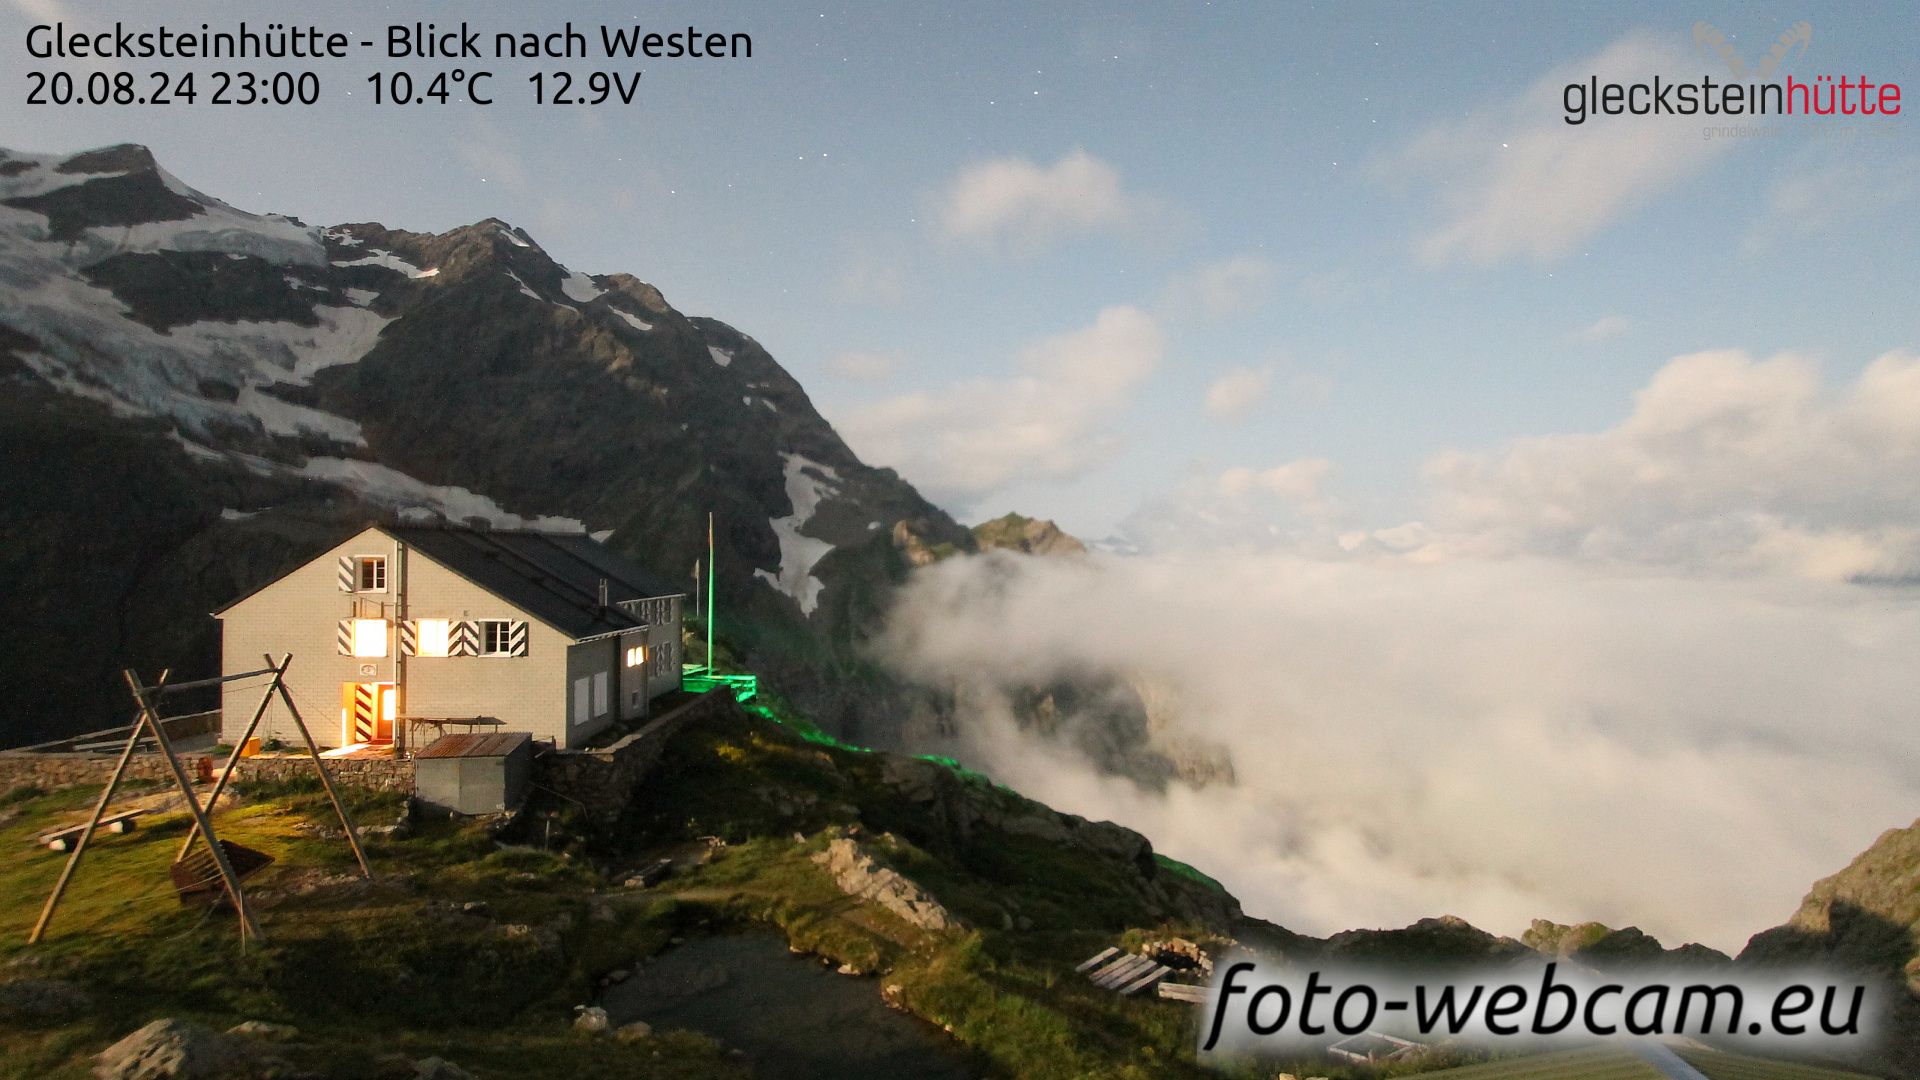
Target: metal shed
[{"x": 474, "y": 774}]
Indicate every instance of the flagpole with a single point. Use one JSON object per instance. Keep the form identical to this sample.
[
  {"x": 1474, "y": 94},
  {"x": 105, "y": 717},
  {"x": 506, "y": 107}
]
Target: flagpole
[{"x": 709, "y": 592}]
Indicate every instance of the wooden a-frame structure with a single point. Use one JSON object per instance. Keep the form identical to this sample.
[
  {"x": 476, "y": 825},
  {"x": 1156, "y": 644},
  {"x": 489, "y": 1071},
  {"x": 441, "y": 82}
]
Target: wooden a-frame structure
[{"x": 148, "y": 720}]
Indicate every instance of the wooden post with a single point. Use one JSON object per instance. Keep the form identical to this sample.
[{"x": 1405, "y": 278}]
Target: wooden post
[
  {"x": 93, "y": 822},
  {"x": 247, "y": 925},
  {"x": 233, "y": 757},
  {"x": 326, "y": 780}
]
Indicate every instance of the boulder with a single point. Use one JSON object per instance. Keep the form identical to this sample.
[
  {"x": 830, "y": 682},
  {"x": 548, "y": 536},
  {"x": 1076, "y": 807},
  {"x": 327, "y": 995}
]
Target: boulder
[
  {"x": 634, "y": 1032},
  {"x": 592, "y": 1019},
  {"x": 170, "y": 1049}
]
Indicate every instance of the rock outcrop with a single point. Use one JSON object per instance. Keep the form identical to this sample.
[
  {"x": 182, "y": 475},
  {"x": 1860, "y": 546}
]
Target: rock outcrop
[
  {"x": 965, "y": 810},
  {"x": 1604, "y": 947},
  {"x": 1028, "y": 536},
  {"x": 1864, "y": 919},
  {"x": 172, "y": 1049},
  {"x": 864, "y": 877}
]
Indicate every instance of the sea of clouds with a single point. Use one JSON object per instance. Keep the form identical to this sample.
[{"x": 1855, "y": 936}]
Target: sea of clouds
[{"x": 1664, "y": 675}]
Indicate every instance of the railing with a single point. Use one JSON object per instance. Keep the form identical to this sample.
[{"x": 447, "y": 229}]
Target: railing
[
  {"x": 115, "y": 738},
  {"x": 695, "y": 680}
]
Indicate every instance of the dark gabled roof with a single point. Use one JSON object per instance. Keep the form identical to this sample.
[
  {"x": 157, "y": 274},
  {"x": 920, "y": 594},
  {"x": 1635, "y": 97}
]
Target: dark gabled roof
[{"x": 554, "y": 577}]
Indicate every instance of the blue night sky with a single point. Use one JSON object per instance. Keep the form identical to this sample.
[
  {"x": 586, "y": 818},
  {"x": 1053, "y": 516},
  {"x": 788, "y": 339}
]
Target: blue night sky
[{"x": 1076, "y": 260}]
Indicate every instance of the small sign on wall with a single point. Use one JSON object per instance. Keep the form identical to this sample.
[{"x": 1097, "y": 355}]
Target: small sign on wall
[{"x": 366, "y": 669}]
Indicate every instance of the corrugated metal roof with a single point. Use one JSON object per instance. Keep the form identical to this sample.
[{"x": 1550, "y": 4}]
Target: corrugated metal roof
[{"x": 490, "y": 745}]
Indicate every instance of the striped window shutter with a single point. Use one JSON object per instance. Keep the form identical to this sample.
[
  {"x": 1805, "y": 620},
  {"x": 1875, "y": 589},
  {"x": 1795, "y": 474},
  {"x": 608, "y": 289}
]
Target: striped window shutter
[
  {"x": 343, "y": 637},
  {"x": 409, "y": 637},
  {"x": 349, "y": 574},
  {"x": 465, "y": 637},
  {"x": 516, "y": 639}
]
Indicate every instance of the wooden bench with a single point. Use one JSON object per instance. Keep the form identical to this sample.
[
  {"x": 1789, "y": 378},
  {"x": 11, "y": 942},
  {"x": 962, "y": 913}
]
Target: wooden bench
[{"x": 64, "y": 839}]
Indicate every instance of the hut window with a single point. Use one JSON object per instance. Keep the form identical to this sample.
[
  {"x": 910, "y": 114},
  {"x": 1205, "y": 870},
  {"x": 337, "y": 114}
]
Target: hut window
[
  {"x": 373, "y": 573},
  {"x": 369, "y": 637},
  {"x": 636, "y": 656},
  {"x": 434, "y": 637},
  {"x": 496, "y": 638}
]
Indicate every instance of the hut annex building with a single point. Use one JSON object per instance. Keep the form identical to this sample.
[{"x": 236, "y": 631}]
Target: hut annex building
[{"x": 403, "y": 626}]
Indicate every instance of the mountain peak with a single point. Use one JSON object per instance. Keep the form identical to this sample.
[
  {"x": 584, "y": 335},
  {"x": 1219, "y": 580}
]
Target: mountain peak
[{"x": 1029, "y": 536}]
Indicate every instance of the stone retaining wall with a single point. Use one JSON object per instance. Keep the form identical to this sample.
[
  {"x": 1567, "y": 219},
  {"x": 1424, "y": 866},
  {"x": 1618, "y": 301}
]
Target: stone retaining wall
[
  {"x": 603, "y": 780},
  {"x": 51, "y": 771},
  {"x": 373, "y": 774}
]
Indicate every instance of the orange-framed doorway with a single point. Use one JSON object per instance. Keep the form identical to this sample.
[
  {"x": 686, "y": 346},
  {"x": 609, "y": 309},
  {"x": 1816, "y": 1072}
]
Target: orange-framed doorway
[{"x": 367, "y": 710}]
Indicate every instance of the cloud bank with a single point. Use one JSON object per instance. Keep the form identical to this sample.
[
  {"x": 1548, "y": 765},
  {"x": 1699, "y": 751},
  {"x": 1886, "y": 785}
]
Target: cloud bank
[
  {"x": 1727, "y": 464},
  {"x": 1631, "y": 675},
  {"x": 1497, "y": 740},
  {"x": 1016, "y": 205},
  {"x": 1052, "y": 418}
]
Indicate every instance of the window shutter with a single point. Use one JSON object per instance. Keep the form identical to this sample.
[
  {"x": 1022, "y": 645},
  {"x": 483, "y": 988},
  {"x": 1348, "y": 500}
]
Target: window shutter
[
  {"x": 409, "y": 637},
  {"x": 465, "y": 639},
  {"x": 343, "y": 637},
  {"x": 516, "y": 639},
  {"x": 349, "y": 574}
]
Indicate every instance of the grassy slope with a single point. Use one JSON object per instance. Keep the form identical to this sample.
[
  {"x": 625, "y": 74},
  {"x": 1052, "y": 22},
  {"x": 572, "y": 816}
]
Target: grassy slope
[
  {"x": 364, "y": 972},
  {"x": 368, "y": 971}
]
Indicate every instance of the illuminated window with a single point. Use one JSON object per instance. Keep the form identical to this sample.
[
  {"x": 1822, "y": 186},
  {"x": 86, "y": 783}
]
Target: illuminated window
[
  {"x": 369, "y": 637},
  {"x": 496, "y": 637},
  {"x": 433, "y": 639},
  {"x": 636, "y": 656},
  {"x": 373, "y": 573}
]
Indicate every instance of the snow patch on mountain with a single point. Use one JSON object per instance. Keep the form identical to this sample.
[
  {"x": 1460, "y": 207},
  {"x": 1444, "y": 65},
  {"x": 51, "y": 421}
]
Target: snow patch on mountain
[
  {"x": 278, "y": 417},
  {"x": 387, "y": 259},
  {"x": 580, "y": 288},
  {"x": 720, "y": 355},
  {"x": 808, "y": 484},
  {"x": 138, "y": 370},
  {"x": 395, "y": 488},
  {"x": 220, "y": 229},
  {"x": 524, "y": 288},
  {"x": 636, "y": 323}
]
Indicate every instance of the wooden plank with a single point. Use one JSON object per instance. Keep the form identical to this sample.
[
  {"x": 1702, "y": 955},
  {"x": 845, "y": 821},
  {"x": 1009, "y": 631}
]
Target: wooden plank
[
  {"x": 1120, "y": 973},
  {"x": 1182, "y": 992},
  {"x": 119, "y": 823},
  {"x": 1102, "y": 976},
  {"x": 1154, "y": 974},
  {"x": 1099, "y": 958}
]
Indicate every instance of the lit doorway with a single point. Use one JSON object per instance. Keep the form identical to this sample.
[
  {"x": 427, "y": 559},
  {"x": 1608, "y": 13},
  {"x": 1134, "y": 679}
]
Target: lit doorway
[{"x": 366, "y": 712}]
